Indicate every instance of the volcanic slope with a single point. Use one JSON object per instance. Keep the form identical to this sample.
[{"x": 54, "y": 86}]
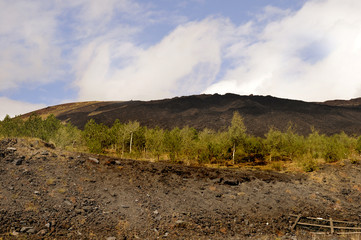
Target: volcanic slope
[
  {"x": 48, "y": 193},
  {"x": 215, "y": 112}
]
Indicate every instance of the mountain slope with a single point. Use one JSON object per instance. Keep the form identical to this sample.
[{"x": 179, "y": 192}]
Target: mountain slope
[{"x": 215, "y": 112}]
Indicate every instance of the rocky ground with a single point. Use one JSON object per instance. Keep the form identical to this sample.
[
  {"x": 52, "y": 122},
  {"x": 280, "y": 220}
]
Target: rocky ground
[{"x": 46, "y": 193}]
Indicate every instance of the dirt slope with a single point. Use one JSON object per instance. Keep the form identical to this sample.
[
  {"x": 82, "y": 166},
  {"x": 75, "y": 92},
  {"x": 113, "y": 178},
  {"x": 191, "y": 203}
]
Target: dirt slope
[
  {"x": 215, "y": 112},
  {"x": 48, "y": 193}
]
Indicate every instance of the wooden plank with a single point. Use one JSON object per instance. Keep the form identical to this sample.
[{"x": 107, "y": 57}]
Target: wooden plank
[
  {"x": 297, "y": 219},
  {"x": 321, "y": 219},
  {"x": 348, "y": 228},
  {"x": 331, "y": 225},
  {"x": 313, "y": 225},
  {"x": 346, "y": 233},
  {"x": 326, "y": 226}
]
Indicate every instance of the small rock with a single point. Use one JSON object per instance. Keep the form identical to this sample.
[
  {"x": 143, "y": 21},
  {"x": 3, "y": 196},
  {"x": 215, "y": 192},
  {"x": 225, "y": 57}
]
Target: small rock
[
  {"x": 15, "y": 233},
  {"x": 94, "y": 160},
  {"x": 25, "y": 229},
  {"x": 36, "y": 192},
  {"x": 179, "y": 222},
  {"x": 67, "y": 203},
  {"x": 111, "y": 238},
  {"x": 231, "y": 182},
  {"x": 18, "y": 161},
  {"x": 31, "y": 231},
  {"x": 48, "y": 225},
  {"x": 155, "y": 212},
  {"x": 42, "y": 232},
  {"x": 11, "y": 149},
  {"x": 79, "y": 211},
  {"x": 124, "y": 206},
  {"x": 117, "y": 162},
  {"x": 87, "y": 208},
  {"x": 49, "y": 145},
  {"x": 45, "y": 153}
]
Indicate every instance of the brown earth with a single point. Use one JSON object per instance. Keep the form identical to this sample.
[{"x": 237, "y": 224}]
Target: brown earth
[{"x": 47, "y": 193}]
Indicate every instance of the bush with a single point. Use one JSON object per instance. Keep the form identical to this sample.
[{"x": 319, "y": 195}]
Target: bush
[
  {"x": 309, "y": 164},
  {"x": 96, "y": 136},
  {"x": 338, "y": 146}
]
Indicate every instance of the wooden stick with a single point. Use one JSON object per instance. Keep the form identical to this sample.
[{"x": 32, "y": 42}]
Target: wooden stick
[
  {"x": 341, "y": 233},
  {"x": 313, "y": 225},
  {"x": 331, "y": 224},
  {"x": 348, "y": 228},
  {"x": 326, "y": 226},
  {"x": 321, "y": 219},
  {"x": 298, "y": 218}
]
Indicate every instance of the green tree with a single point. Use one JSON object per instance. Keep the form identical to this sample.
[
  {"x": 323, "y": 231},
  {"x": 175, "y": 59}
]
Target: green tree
[
  {"x": 68, "y": 136},
  {"x": 50, "y": 127},
  {"x": 117, "y": 135},
  {"x": 237, "y": 132},
  {"x": 358, "y": 145},
  {"x": 189, "y": 140},
  {"x": 213, "y": 146},
  {"x": 173, "y": 143},
  {"x": 154, "y": 141},
  {"x": 254, "y": 148},
  {"x": 130, "y": 129},
  {"x": 96, "y": 136},
  {"x": 338, "y": 147},
  {"x": 34, "y": 127},
  {"x": 11, "y": 127}
]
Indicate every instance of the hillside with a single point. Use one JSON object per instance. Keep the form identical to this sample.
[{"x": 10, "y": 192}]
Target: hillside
[
  {"x": 48, "y": 193},
  {"x": 215, "y": 112}
]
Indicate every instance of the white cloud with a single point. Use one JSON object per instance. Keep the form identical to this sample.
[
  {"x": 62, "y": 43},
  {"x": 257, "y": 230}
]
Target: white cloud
[
  {"x": 28, "y": 53},
  {"x": 311, "y": 54},
  {"x": 184, "y": 62},
  {"x": 13, "y": 108}
]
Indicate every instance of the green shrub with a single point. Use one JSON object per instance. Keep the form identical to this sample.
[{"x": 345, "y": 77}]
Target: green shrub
[{"x": 308, "y": 164}]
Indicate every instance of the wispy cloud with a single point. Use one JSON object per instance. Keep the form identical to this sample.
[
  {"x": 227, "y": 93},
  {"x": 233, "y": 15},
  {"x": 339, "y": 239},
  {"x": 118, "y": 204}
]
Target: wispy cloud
[
  {"x": 184, "y": 62},
  {"x": 98, "y": 47},
  {"x": 311, "y": 54},
  {"x": 14, "y": 108},
  {"x": 29, "y": 53}
]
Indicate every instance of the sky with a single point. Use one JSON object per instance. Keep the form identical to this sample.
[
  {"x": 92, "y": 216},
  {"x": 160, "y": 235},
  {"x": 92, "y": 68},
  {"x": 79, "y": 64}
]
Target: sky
[{"x": 63, "y": 51}]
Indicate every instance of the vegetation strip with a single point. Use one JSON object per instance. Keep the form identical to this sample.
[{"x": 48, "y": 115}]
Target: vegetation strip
[{"x": 228, "y": 147}]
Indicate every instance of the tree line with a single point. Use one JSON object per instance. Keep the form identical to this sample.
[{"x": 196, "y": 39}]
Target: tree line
[{"x": 230, "y": 146}]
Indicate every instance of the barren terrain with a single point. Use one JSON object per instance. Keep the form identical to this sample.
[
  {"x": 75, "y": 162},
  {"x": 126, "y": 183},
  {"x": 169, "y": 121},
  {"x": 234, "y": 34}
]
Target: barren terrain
[
  {"x": 216, "y": 111},
  {"x": 49, "y": 193}
]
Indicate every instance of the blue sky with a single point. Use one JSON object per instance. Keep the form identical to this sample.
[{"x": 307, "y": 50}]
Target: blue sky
[{"x": 78, "y": 50}]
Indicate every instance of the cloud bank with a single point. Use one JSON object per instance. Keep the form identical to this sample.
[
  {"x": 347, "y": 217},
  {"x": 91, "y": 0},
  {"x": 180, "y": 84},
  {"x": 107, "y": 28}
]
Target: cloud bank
[
  {"x": 14, "y": 108},
  {"x": 312, "y": 53}
]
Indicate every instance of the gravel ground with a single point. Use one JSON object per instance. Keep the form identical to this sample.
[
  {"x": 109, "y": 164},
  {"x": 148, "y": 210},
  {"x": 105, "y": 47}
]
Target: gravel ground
[{"x": 47, "y": 193}]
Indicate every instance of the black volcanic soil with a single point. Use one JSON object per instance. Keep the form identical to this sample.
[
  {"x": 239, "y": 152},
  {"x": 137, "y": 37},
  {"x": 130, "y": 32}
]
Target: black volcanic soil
[
  {"x": 52, "y": 194},
  {"x": 216, "y": 111}
]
